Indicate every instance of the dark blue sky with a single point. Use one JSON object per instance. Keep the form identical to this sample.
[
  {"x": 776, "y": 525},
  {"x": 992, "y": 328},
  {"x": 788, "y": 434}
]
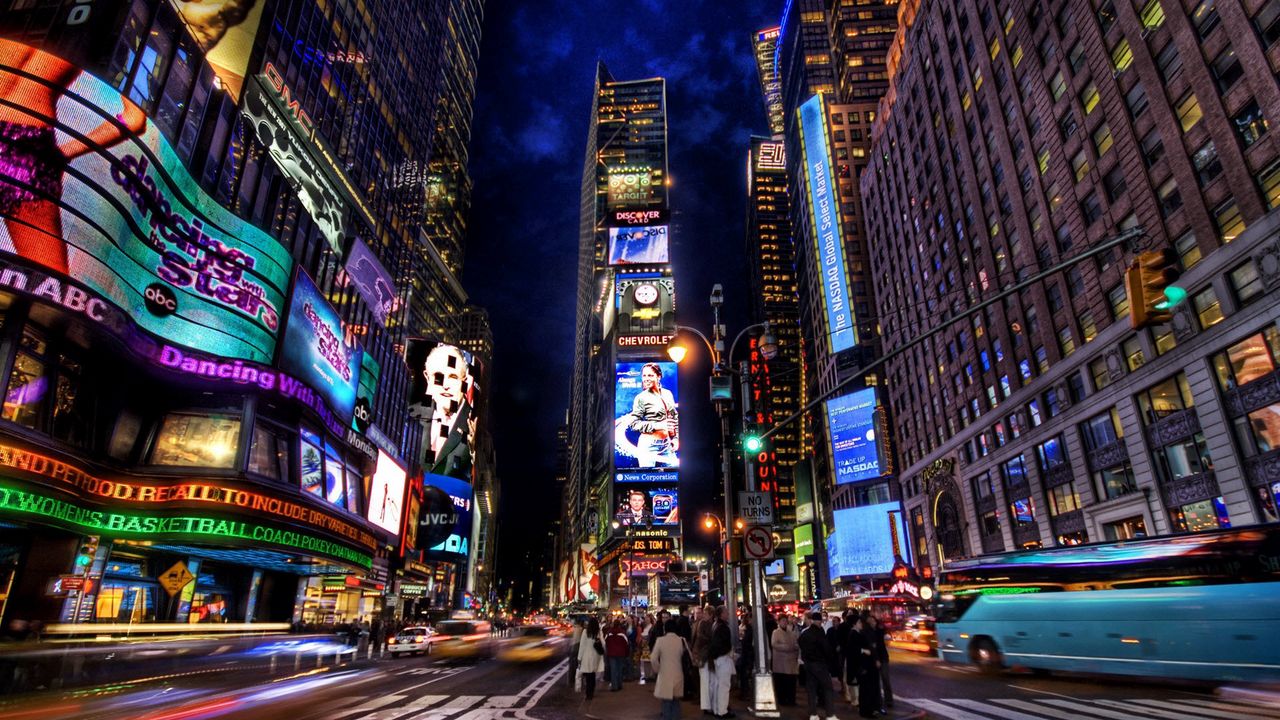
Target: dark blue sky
[{"x": 537, "y": 65}]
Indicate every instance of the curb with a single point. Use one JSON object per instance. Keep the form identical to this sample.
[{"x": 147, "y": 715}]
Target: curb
[{"x": 1269, "y": 696}]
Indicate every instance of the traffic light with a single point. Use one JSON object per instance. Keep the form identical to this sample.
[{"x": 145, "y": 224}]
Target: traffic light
[
  {"x": 88, "y": 549},
  {"x": 751, "y": 442},
  {"x": 1149, "y": 284}
]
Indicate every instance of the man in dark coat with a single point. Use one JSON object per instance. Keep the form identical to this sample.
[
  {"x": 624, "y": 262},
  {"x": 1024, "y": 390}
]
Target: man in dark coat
[
  {"x": 869, "y": 699},
  {"x": 819, "y": 659},
  {"x": 882, "y": 656}
]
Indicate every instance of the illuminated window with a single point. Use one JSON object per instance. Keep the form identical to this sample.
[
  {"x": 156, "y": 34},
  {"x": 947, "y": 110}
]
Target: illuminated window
[
  {"x": 1165, "y": 398},
  {"x": 1152, "y": 14},
  {"x": 1250, "y": 359},
  {"x": 1269, "y": 182},
  {"x": 269, "y": 453},
  {"x": 1208, "y": 309},
  {"x": 1016, "y": 55},
  {"x": 1063, "y": 499},
  {"x": 1188, "y": 111},
  {"x": 1057, "y": 86},
  {"x": 197, "y": 440},
  {"x": 994, "y": 48},
  {"x": 1188, "y": 250},
  {"x": 1250, "y": 123},
  {"x": 1133, "y": 357},
  {"x": 1227, "y": 218},
  {"x": 1246, "y": 283},
  {"x": 1122, "y": 55},
  {"x": 1205, "y": 17},
  {"x": 1042, "y": 161},
  {"x": 1080, "y": 165},
  {"x": 28, "y": 382}
]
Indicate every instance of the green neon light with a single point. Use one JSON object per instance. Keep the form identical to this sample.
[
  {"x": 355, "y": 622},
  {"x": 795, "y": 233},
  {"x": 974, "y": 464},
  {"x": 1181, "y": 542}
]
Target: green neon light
[
  {"x": 752, "y": 443},
  {"x": 17, "y": 500},
  {"x": 999, "y": 591},
  {"x": 1173, "y": 296}
]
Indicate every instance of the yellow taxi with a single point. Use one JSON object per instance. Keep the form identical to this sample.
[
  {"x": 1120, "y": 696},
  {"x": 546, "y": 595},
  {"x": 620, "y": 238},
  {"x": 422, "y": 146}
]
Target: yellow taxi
[
  {"x": 532, "y": 643},
  {"x": 462, "y": 639}
]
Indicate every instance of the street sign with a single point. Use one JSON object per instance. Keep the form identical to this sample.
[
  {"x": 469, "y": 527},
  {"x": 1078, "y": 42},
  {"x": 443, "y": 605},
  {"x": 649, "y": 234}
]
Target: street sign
[
  {"x": 176, "y": 578},
  {"x": 756, "y": 508},
  {"x": 757, "y": 544}
]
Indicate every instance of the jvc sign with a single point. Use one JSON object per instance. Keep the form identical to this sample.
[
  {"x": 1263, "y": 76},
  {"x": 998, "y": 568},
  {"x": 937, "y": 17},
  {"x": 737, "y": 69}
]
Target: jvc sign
[{"x": 756, "y": 508}]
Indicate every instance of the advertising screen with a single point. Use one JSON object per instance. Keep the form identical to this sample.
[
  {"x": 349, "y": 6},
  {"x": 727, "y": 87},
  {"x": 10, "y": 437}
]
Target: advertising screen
[
  {"x": 126, "y": 219},
  {"x": 458, "y": 541},
  {"x": 362, "y": 413},
  {"x": 386, "y": 494},
  {"x": 442, "y": 396},
  {"x": 314, "y": 351},
  {"x": 638, "y": 245},
  {"x": 225, "y": 32},
  {"x": 372, "y": 281},
  {"x": 824, "y": 219},
  {"x": 647, "y": 429},
  {"x": 851, "y": 423},
  {"x": 635, "y": 218},
  {"x": 649, "y": 506},
  {"x": 864, "y": 540},
  {"x": 678, "y": 589},
  {"x": 633, "y": 185},
  {"x": 646, "y": 306}
]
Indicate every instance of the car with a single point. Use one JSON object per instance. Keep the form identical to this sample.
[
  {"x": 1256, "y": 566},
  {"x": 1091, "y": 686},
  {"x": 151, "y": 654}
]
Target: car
[
  {"x": 411, "y": 641},
  {"x": 532, "y": 643},
  {"x": 462, "y": 639},
  {"x": 918, "y": 633}
]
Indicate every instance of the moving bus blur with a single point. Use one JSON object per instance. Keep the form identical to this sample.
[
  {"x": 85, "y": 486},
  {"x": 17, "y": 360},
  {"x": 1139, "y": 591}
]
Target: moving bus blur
[{"x": 1202, "y": 606}]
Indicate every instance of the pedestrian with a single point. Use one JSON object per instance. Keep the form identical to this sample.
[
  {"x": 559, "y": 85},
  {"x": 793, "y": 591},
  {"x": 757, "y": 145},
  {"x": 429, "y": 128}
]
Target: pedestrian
[
  {"x": 859, "y": 660},
  {"x": 659, "y": 628},
  {"x": 720, "y": 664},
  {"x": 684, "y": 628},
  {"x": 616, "y": 650},
  {"x": 746, "y": 658},
  {"x": 819, "y": 659},
  {"x": 786, "y": 662},
  {"x": 849, "y": 656},
  {"x": 590, "y": 662},
  {"x": 573, "y": 650},
  {"x": 869, "y": 699},
  {"x": 881, "y": 651},
  {"x": 701, "y": 643},
  {"x": 667, "y": 660}
]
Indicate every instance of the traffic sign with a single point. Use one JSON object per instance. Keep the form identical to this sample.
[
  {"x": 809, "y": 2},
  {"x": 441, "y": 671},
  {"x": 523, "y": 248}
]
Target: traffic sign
[
  {"x": 757, "y": 543},
  {"x": 756, "y": 508},
  {"x": 176, "y": 578}
]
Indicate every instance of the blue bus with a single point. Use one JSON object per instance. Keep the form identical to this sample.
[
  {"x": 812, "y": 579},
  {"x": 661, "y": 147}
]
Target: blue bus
[{"x": 1203, "y": 606}]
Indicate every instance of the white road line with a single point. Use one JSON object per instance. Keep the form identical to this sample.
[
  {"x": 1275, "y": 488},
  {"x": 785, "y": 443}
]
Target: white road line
[
  {"x": 453, "y": 707},
  {"x": 1235, "y": 706},
  {"x": 371, "y": 705},
  {"x": 420, "y": 703},
  {"x": 990, "y": 709},
  {"x": 942, "y": 711},
  {"x": 1136, "y": 706},
  {"x": 1102, "y": 712},
  {"x": 1203, "y": 709},
  {"x": 538, "y": 688},
  {"x": 1041, "y": 709},
  {"x": 1042, "y": 692}
]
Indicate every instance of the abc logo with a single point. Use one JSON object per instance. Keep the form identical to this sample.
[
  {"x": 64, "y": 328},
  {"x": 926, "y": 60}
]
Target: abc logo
[
  {"x": 362, "y": 414},
  {"x": 160, "y": 300}
]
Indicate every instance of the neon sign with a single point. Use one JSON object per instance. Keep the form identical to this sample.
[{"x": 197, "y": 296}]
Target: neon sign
[{"x": 825, "y": 224}]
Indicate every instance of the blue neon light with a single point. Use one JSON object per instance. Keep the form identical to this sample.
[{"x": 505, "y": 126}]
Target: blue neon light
[{"x": 827, "y": 237}]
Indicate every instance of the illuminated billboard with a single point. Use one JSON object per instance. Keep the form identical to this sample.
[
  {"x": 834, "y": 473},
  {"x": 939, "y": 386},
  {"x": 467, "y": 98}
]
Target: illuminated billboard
[
  {"x": 126, "y": 219},
  {"x": 442, "y": 396},
  {"x": 458, "y": 540},
  {"x": 646, "y": 305},
  {"x": 646, "y": 408},
  {"x": 851, "y": 425},
  {"x": 362, "y": 412},
  {"x": 386, "y": 494},
  {"x": 866, "y": 540},
  {"x": 637, "y": 218},
  {"x": 633, "y": 185},
  {"x": 224, "y": 31},
  {"x": 824, "y": 222},
  {"x": 770, "y": 157},
  {"x": 648, "y": 506},
  {"x": 638, "y": 245},
  {"x": 372, "y": 281},
  {"x": 314, "y": 351}
]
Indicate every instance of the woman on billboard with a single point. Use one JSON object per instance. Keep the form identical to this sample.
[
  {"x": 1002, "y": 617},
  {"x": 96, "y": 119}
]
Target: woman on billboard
[
  {"x": 31, "y": 160},
  {"x": 653, "y": 415}
]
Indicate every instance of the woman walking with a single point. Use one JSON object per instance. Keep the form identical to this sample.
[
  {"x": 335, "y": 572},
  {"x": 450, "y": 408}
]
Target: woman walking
[
  {"x": 616, "y": 650},
  {"x": 786, "y": 661},
  {"x": 667, "y": 660},
  {"x": 590, "y": 662}
]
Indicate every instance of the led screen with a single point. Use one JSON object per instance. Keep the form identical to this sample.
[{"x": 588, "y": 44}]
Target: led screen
[
  {"x": 824, "y": 219},
  {"x": 314, "y": 351},
  {"x": 372, "y": 281},
  {"x": 647, "y": 430},
  {"x": 386, "y": 494},
  {"x": 442, "y": 396},
  {"x": 225, "y": 33},
  {"x": 458, "y": 541},
  {"x": 649, "y": 506},
  {"x": 632, "y": 185},
  {"x": 127, "y": 220},
  {"x": 851, "y": 423},
  {"x": 863, "y": 541},
  {"x": 362, "y": 413},
  {"x": 638, "y": 245},
  {"x": 646, "y": 306}
]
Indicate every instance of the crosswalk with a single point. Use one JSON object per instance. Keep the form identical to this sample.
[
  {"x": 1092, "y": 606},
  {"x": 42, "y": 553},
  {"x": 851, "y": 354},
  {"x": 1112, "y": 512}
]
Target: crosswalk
[
  {"x": 424, "y": 707},
  {"x": 1063, "y": 708}
]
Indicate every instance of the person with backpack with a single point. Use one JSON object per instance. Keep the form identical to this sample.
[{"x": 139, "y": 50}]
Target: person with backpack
[{"x": 590, "y": 662}]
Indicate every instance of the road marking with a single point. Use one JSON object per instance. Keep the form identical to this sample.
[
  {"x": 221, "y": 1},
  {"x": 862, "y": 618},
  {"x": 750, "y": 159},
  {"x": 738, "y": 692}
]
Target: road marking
[
  {"x": 372, "y": 705},
  {"x": 942, "y": 710},
  {"x": 1233, "y": 706},
  {"x": 1137, "y": 705},
  {"x": 992, "y": 710},
  {"x": 1042, "y": 692},
  {"x": 454, "y": 706},
  {"x": 1091, "y": 709},
  {"x": 423, "y": 702},
  {"x": 539, "y": 688},
  {"x": 1049, "y": 711},
  {"x": 1203, "y": 709}
]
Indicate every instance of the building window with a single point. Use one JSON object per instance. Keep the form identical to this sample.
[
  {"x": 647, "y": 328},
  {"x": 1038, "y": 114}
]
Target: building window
[
  {"x": 1249, "y": 123},
  {"x": 1163, "y": 337},
  {"x": 1042, "y": 359},
  {"x": 1227, "y": 217},
  {"x": 1246, "y": 283},
  {"x": 1152, "y": 148},
  {"x": 1075, "y": 387},
  {"x": 1201, "y": 516},
  {"x": 1169, "y": 62},
  {"x": 197, "y": 440},
  {"x": 269, "y": 452},
  {"x": 1127, "y": 529},
  {"x": 1170, "y": 197},
  {"x": 1205, "y": 17},
  {"x": 1121, "y": 55},
  {"x": 1188, "y": 250},
  {"x": 1099, "y": 373},
  {"x": 28, "y": 382},
  {"x": 1183, "y": 458},
  {"x": 1132, "y": 349},
  {"x": 1063, "y": 499},
  {"x": 1152, "y": 15},
  {"x": 1188, "y": 111},
  {"x": 1136, "y": 99},
  {"x": 1015, "y": 472},
  {"x": 1259, "y": 431},
  {"x": 1051, "y": 454},
  {"x": 1090, "y": 208},
  {"x": 1033, "y": 411},
  {"x": 1226, "y": 69},
  {"x": 1052, "y": 403},
  {"x": 1116, "y": 481},
  {"x": 983, "y": 487},
  {"x": 1267, "y": 21},
  {"x": 990, "y": 524},
  {"x": 1102, "y": 139},
  {"x": 1118, "y": 299},
  {"x": 1023, "y": 511},
  {"x": 1251, "y": 358},
  {"x": 1269, "y": 182},
  {"x": 1165, "y": 398},
  {"x": 1080, "y": 165},
  {"x": 1102, "y": 429},
  {"x": 1057, "y": 86},
  {"x": 1089, "y": 97},
  {"x": 1066, "y": 342},
  {"x": 1206, "y": 162},
  {"x": 1208, "y": 309}
]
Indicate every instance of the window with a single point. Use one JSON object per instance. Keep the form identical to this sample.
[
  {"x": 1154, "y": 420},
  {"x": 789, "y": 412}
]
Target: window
[
  {"x": 983, "y": 487},
  {"x": 1152, "y": 15},
  {"x": 1188, "y": 111},
  {"x": 1057, "y": 86},
  {"x": 1106, "y": 16},
  {"x": 1183, "y": 458},
  {"x": 1165, "y": 398},
  {"x": 1067, "y": 124},
  {"x": 1201, "y": 516},
  {"x": 311, "y": 470},
  {"x": 1259, "y": 431},
  {"x": 1099, "y": 373},
  {"x": 1205, "y": 17},
  {"x": 1208, "y": 309},
  {"x": 1170, "y": 198},
  {"x": 1126, "y": 529},
  {"x": 1089, "y": 97},
  {"x": 1207, "y": 164},
  {"x": 1132, "y": 349},
  {"x": 1015, "y": 472},
  {"x": 1023, "y": 511},
  {"x": 1251, "y": 358},
  {"x": 1164, "y": 339},
  {"x": 1152, "y": 148},
  {"x": 1102, "y": 139},
  {"x": 1080, "y": 165},
  {"x": 990, "y": 523},
  {"x": 1246, "y": 283},
  {"x": 1169, "y": 61},
  {"x": 1116, "y": 481},
  {"x": 28, "y": 384},
  {"x": 1122, "y": 55},
  {"x": 269, "y": 452},
  {"x": 1075, "y": 387},
  {"x": 1063, "y": 499},
  {"x": 1033, "y": 410},
  {"x": 1042, "y": 359},
  {"x": 1119, "y": 301},
  {"x": 1136, "y": 99},
  {"x": 1267, "y": 21},
  {"x": 1226, "y": 69},
  {"x": 1102, "y": 430},
  {"x": 1249, "y": 122},
  {"x": 197, "y": 440},
  {"x": 1269, "y": 182},
  {"x": 1227, "y": 217},
  {"x": 1188, "y": 250},
  {"x": 1090, "y": 208},
  {"x": 1113, "y": 183}
]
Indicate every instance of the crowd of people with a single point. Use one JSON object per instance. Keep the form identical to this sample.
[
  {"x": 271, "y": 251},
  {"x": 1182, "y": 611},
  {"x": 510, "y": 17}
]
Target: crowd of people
[{"x": 690, "y": 656}]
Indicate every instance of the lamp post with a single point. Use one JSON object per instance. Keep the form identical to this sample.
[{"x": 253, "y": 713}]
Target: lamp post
[
  {"x": 713, "y": 521},
  {"x": 763, "y": 703}
]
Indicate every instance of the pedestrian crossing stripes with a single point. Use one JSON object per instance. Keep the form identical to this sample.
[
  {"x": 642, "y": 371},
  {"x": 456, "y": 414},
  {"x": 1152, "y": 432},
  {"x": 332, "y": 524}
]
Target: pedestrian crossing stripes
[
  {"x": 1189, "y": 708},
  {"x": 424, "y": 707}
]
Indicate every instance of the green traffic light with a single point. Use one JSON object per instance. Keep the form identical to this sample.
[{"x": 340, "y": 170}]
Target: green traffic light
[
  {"x": 752, "y": 443},
  {"x": 83, "y": 560},
  {"x": 1173, "y": 296}
]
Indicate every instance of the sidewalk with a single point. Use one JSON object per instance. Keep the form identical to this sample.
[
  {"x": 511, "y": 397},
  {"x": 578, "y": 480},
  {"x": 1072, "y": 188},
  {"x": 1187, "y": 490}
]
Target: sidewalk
[{"x": 636, "y": 702}]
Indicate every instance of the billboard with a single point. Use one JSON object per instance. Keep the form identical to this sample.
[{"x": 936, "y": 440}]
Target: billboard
[
  {"x": 362, "y": 412},
  {"x": 824, "y": 221},
  {"x": 633, "y": 185},
  {"x": 442, "y": 396},
  {"x": 649, "y": 506},
  {"x": 851, "y": 425},
  {"x": 126, "y": 219},
  {"x": 646, "y": 408},
  {"x": 636, "y": 218},
  {"x": 372, "y": 281},
  {"x": 314, "y": 350},
  {"x": 638, "y": 245},
  {"x": 225, "y": 32},
  {"x": 866, "y": 540},
  {"x": 457, "y": 541},
  {"x": 646, "y": 305},
  {"x": 386, "y": 494},
  {"x": 679, "y": 589}
]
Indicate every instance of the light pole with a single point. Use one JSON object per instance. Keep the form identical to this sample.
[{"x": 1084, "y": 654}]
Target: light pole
[{"x": 763, "y": 704}]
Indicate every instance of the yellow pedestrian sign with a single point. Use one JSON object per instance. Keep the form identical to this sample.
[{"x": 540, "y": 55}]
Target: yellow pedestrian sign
[{"x": 176, "y": 578}]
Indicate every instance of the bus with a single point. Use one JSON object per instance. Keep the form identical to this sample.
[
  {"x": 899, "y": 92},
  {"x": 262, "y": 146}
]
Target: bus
[{"x": 1203, "y": 606}]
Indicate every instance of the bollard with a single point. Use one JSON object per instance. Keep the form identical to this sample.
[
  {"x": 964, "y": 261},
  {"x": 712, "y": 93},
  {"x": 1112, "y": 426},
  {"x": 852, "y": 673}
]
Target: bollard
[
  {"x": 273, "y": 664},
  {"x": 319, "y": 658},
  {"x": 297, "y": 662}
]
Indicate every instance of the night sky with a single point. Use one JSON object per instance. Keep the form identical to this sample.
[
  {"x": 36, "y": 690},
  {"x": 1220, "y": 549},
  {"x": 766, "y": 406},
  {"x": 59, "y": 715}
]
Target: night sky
[{"x": 536, "y": 74}]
